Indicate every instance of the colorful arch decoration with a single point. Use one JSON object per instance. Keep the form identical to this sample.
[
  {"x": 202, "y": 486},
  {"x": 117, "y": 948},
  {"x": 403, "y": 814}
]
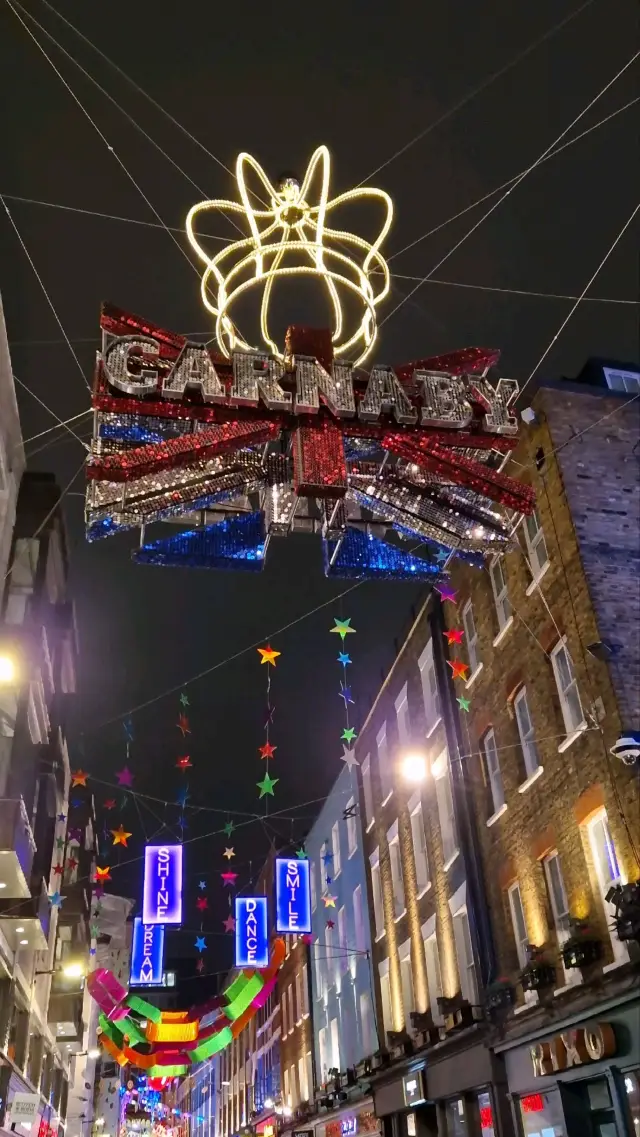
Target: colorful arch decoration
[{"x": 165, "y": 1043}]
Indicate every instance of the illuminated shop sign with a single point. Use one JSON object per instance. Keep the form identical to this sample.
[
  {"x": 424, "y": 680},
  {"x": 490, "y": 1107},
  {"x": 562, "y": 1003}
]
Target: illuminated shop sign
[
  {"x": 413, "y": 1088},
  {"x": 293, "y": 897},
  {"x": 348, "y": 1126},
  {"x": 252, "y": 935},
  {"x": 573, "y": 1048},
  {"x": 147, "y": 954},
  {"x": 162, "y": 893}
]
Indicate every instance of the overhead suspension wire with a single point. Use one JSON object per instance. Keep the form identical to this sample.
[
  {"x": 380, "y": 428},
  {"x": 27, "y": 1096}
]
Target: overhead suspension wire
[
  {"x": 517, "y": 291},
  {"x": 60, "y": 422},
  {"x": 515, "y": 184},
  {"x": 496, "y": 189},
  {"x": 47, "y": 518},
  {"x": 105, "y": 216},
  {"x": 475, "y": 90}
]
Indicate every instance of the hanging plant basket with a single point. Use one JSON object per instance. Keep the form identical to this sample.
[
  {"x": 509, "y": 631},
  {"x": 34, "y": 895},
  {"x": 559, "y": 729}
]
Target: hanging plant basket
[
  {"x": 583, "y": 948},
  {"x": 538, "y": 976},
  {"x": 499, "y": 996},
  {"x": 626, "y": 901}
]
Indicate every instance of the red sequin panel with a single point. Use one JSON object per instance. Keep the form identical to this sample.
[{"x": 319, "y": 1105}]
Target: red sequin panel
[
  {"x": 462, "y": 439},
  {"x": 182, "y": 451},
  {"x": 473, "y": 360},
  {"x": 464, "y": 471},
  {"x": 319, "y": 466}
]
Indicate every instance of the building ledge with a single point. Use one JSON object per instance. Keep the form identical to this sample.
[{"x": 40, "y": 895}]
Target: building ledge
[
  {"x": 570, "y": 739},
  {"x": 503, "y": 631},
  {"x": 615, "y": 965},
  {"x": 474, "y": 675},
  {"x": 400, "y": 916},
  {"x": 454, "y": 856},
  {"x": 524, "y": 786},
  {"x": 536, "y": 580},
  {"x": 498, "y": 813},
  {"x": 434, "y": 726}
]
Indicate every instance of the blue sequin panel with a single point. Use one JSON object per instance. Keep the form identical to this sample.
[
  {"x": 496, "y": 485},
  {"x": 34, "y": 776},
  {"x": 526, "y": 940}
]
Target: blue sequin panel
[
  {"x": 238, "y": 542},
  {"x": 361, "y": 556}
]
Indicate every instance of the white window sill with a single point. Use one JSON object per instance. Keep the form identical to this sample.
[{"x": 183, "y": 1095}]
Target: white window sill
[
  {"x": 498, "y": 813},
  {"x": 503, "y": 631},
  {"x": 434, "y": 726},
  {"x": 474, "y": 675},
  {"x": 370, "y": 825},
  {"x": 524, "y": 1007},
  {"x": 524, "y": 786},
  {"x": 388, "y": 797},
  {"x": 454, "y": 856},
  {"x": 423, "y": 891},
  {"x": 536, "y": 580},
  {"x": 613, "y": 966},
  {"x": 381, "y": 935},
  {"x": 352, "y": 853},
  {"x": 336, "y": 874},
  {"x": 570, "y": 739},
  {"x": 396, "y": 919},
  {"x": 568, "y": 986}
]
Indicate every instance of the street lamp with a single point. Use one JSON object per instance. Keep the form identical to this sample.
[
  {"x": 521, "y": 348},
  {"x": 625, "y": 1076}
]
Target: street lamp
[
  {"x": 8, "y": 669},
  {"x": 414, "y": 767},
  {"x": 74, "y": 969}
]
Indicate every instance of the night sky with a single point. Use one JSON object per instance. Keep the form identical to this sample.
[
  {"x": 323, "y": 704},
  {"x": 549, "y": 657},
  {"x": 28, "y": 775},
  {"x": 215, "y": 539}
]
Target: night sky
[{"x": 277, "y": 81}]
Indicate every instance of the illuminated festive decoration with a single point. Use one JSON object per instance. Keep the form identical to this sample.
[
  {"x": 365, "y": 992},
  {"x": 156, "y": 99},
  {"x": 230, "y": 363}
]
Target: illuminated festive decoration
[
  {"x": 184, "y": 763},
  {"x": 229, "y": 853},
  {"x": 348, "y": 734},
  {"x": 229, "y": 924},
  {"x": 349, "y": 757},
  {"x": 228, "y": 828},
  {"x": 56, "y": 900},
  {"x": 454, "y": 636},
  {"x": 252, "y": 931},
  {"x": 110, "y": 803},
  {"x": 202, "y": 904},
  {"x": 162, "y": 888},
  {"x": 147, "y": 954},
  {"x": 120, "y": 836},
  {"x": 125, "y": 777},
  {"x": 395, "y": 471},
  {"x": 229, "y": 878},
  {"x": 446, "y": 593},
  {"x": 266, "y": 785},
  {"x": 458, "y": 668},
  {"x": 167, "y": 1043},
  {"x": 289, "y": 238},
  {"x": 103, "y": 874},
  {"x": 463, "y": 703},
  {"x": 293, "y": 895},
  {"x": 79, "y": 778},
  {"x": 267, "y": 751},
  {"x": 329, "y": 901},
  {"x": 268, "y": 655},
  {"x": 343, "y": 628}
]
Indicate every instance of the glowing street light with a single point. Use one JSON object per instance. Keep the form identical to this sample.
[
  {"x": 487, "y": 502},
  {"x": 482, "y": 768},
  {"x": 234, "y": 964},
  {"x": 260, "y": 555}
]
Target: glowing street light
[
  {"x": 414, "y": 767},
  {"x": 8, "y": 670}
]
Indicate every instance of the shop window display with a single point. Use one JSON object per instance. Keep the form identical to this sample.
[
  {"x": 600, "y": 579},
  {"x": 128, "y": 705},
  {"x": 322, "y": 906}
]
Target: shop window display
[
  {"x": 456, "y": 1119},
  {"x": 541, "y": 1115},
  {"x": 486, "y": 1115},
  {"x": 632, "y": 1086}
]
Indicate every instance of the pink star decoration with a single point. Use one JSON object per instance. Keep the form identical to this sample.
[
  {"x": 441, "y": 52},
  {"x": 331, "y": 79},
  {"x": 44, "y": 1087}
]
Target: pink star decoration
[
  {"x": 229, "y": 924},
  {"x": 125, "y": 777},
  {"x": 229, "y": 878}
]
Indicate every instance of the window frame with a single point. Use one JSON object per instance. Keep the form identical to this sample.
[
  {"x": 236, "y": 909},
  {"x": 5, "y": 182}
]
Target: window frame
[
  {"x": 431, "y": 700},
  {"x": 401, "y": 705},
  {"x": 367, "y": 791},
  {"x": 343, "y": 946},
  {"x": 377, "y": 895},
  {"x": 471, "y": 641},
  {"x": 462, "y": 939},
  {"x": 571, "y": 729},
  {"x": 441, "y": 772},
  {"x": 397, "y": 877},
  {"x": 533, "y": 543},
  {"x": 423, "y": 880},
  {"x": 620, "y": 949},
  {"x": 384, "y": 764},
  {"x": 521, "y": 944},
  {"x": 501, "y": 600},
  {"x": 434, "y": 971},
  {"x": 494, "y": 773},
  {"x": 526, "y": 744},
  {"x": 358, "y": 919},
  {"x": 336, "y": 850},
  {"x": 352, "y": 830}
]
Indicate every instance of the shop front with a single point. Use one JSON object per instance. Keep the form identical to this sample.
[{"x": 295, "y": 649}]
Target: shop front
[
  {"x": 356, "y": 1119},
  {"x": 580, "y": 1080},
  {"x": 459, "y": 1094}
]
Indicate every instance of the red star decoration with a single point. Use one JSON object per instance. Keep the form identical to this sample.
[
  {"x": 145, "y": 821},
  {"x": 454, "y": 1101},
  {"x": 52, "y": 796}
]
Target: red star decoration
[
  {"x": 184, "y": 763},
  {"x": 307, "y": 939},
  {"x": 103, "y": 874},
  {"x": 110, "y": 803},
  {"x": 202, "y": 903},
  {"x": 229, "y": 878},
  {"x": 79, "y": 778},
  {"x": 58, "y": 869},
  {"x": 229, "y": 924},
  {"x": 72, "y": 864},
  {"x": 331, "y": 924},
  {"x": 267, "y": 751},
  {"x": 183, "y": 725},
  {"x": 446, "y": 593},
  {"x": 454, "y": 636},
  {"x": 200, "y": 965},
  {"x": 458, "y": 668}
]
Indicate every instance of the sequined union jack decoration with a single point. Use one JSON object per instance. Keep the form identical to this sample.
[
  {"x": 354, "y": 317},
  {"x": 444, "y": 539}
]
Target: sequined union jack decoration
[{"x": 394, "y": 470}]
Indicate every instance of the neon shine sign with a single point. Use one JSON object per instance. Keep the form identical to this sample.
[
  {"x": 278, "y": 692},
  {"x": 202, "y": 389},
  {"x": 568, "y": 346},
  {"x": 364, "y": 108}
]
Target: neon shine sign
[
  {"x": 293, "y": 898},
  {"x": 162, "y": 891},
  {"x": 252, "y": 934},
  {"x": 147, "y": 954}
]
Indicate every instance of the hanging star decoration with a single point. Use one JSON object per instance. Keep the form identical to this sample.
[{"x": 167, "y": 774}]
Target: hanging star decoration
[
  {"x": 200, "y": 965},
  {"x": 103, "y": 873},
  {"x": 454, "y": 636},
  {"x": 59, "y": 842},
  {"x": 458, "y": 668},
  {"x": 183, "y": 724},
  {"x": 345, "y": 693},
  {"x": 184, "y": 700},
  {"x": 348, "y": 734},
  {"x": 349, "y": 758},
  {"x": 125, "y": 777},
  {"x": 79, "y": 778},
  {"x": 127, "y": 726},
  {"x": 331, "y": 924},
  {"x": 229, "y": 853},
  {"x": 343, "y": 658},
  {"x": 327, "y": 857},
  {"x": 202, "y": 884},
  {"x": 62, "y": 817},
  {"x": 182, "y": 796},
  {"x": 229, "y": 878},
  {"x": 184, "y": 763},
  {"x": 58, "y": 869},
  {"x": 76, "y": 802},
  {"x": 72, "y": 864},
  {"x": 229, "y": 924},
  {"x": 120, "y": 836},
  {"x": 267, "y": 751},
  {"x": 268, "y": 655},
  {"x": 75, "y": 834},
  {"x": 228, "y": 828},
  {"x": 266, "y": 785},
  {"x": 463, "y": 703},
  {"x": 446, "y": 593},
  {"x": 442, "y": 556},
  {"x": 56, "y": 899},
  {"x": 329, "y": 901},
  {"x": 201, "y": 943},
  {"x": 202, "y": 904},
  {"x": 328, "y": 880},
  {"x": 110, "y": 803},
  {"x": 301, "y": 853},
  {"x": 307, "y": 938},
  {"x": 98, "y": 891},
  {"x": 343, "y": 628}
]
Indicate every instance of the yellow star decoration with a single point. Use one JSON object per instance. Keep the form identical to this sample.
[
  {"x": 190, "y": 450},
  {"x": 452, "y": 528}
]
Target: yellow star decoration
[
  {"x": 269, "y": 655},
  {"x": 120, "y": 836},
  {"x": 287, "y": 238}
]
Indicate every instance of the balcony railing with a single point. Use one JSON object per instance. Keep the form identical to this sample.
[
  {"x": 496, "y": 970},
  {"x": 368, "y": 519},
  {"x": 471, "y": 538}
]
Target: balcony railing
[{"x": 17, "y": 848}]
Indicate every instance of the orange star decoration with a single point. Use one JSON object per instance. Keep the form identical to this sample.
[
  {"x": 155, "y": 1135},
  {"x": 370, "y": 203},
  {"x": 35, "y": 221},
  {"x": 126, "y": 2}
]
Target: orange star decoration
[
  {"x": 267, "y": 751},
  {"x": 79, "y": 778},
  {"x": 458, "y": 668},
  {"x": 103, "y": 874},
  {"x": 269, "y": 655},
  {"x": 454, "y": 636},
  {"x": 120, "y": 836}
]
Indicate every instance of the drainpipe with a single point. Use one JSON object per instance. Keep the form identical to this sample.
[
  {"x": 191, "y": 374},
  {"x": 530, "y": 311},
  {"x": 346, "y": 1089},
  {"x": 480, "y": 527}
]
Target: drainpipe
[{"x": 480, "y": 926}]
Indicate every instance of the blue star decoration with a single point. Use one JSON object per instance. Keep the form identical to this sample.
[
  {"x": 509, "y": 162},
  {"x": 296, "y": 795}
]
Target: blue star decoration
[
  {"x": 76, "y": 802},
  {"x": 127, "y": 726},
  {"x": 56, "y": 899},
  {"x": 92, "y": 951},
  {"x": 327, "y": 858},
  {"x": 62, "y": 817},
  {"x": 329, "y": 880},
  {"x": 183, "y": 796},
  {"x": 202, "y": 884},
  {"x": 344, "y": 659},
  {"x": 345, "y": 693},
  {"x": 201, "y": 943}
]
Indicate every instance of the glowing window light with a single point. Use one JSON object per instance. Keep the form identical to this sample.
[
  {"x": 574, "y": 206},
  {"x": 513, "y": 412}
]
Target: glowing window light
[{"x": 293, "y": 230}]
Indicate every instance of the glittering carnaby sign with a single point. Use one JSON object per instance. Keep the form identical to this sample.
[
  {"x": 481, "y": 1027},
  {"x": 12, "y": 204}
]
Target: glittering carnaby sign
[
  {"x": 162, "y": 890},
  {"x": 293, "y": 896},
  {"x": 249, "y": 448},
  {"x": 147, "y": 954}
]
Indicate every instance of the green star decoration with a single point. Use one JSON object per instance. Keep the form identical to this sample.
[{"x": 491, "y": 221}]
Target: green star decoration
[
  {"x": 228, "y": 828},
  {"x": 59, "y": 842},
  {"x": 342, "y": 627},
  {"x": 301, "y": 853},
  {"x": 348, "y": 734},
  {"x": 184, "y": 699},
  {"x": 266, "y": 785},
  {"x": 463, "y": 703}
]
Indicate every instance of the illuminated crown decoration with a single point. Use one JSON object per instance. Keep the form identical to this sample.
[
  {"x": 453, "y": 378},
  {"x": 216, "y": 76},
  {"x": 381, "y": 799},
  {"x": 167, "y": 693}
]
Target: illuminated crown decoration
[{"x": 290, "y": 237}]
